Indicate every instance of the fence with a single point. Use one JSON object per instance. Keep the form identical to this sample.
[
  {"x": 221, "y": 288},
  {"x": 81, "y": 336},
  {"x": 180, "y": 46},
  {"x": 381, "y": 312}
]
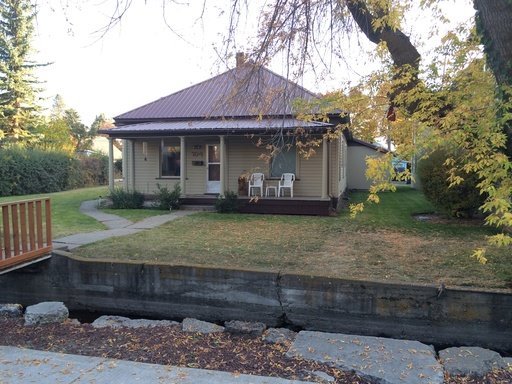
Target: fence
[{"x": 25, "y": 231}]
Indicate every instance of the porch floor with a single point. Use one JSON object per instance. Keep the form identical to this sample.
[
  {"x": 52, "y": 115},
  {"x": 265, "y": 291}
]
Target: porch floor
[{"x": 272, "y": 205}]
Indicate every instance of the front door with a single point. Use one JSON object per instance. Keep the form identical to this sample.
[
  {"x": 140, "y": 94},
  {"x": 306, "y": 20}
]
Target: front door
[{"x": 213, "y": 171}]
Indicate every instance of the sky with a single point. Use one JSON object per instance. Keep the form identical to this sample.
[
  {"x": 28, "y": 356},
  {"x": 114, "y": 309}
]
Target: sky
[{"x": 141, "y": 59}]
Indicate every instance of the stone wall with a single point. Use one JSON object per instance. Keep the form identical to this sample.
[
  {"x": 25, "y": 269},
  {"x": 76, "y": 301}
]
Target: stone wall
[{"x": 455, "y": 317}]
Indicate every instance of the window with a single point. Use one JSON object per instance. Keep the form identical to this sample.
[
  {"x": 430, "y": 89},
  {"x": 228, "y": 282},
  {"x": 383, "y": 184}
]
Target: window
[
  {"x": 285, "y": 160},
  {"x": 170, "y": 160}
]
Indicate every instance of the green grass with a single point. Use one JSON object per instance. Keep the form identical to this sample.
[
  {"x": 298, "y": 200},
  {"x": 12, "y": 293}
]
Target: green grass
[
  {"x": 384, "y": 243},
  {"x": 66, "y": 217},
  {"x": 135, "y": 214}
]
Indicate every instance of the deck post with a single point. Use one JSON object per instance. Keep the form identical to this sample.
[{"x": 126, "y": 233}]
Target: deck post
[
  {"x": 222, "y": 165},
  {"x": 110, "y": 163},
  {"x": 325, "y": 167},
  {"x": 183, "y": 165}
]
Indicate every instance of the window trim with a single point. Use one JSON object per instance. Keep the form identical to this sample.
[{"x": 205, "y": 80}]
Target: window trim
[{"x": 161, "y": 152}]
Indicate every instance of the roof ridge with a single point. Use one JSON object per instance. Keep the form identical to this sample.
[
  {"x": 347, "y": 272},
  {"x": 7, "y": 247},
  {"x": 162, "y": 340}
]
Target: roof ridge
[
  {"x": 177, "y": 92},
  {"x": 290, "y": 81}
]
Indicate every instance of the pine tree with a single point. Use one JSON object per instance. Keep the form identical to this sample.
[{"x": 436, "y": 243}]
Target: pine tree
[{"x": 17, "y": 82}]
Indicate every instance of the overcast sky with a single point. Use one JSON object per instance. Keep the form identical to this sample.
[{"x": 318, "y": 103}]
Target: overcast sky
[{"x": 141, "y": 59}]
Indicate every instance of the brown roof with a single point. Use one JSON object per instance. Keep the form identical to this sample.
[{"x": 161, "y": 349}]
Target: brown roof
[
  {"x": 217, "y": 126},
  {"x": 245, "y": 91}
]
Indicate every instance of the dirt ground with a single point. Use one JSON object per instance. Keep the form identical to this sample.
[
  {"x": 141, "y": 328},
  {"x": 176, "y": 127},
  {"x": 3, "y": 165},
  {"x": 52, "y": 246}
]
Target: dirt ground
[{"x": 171, "y": 346}]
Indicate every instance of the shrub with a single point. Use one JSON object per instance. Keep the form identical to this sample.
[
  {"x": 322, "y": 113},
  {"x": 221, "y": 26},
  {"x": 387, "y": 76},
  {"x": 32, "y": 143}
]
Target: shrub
[
  {"x": 166, "y": 199},
  {"x": 25, "y": 171},
  {"x": 122, "y": 199},
  {"x": 462, "y": 200},
  {"x": 227, "y": 203}
]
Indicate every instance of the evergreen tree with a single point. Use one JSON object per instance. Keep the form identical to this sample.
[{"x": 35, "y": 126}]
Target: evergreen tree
[{"x": 17, "y": 82}]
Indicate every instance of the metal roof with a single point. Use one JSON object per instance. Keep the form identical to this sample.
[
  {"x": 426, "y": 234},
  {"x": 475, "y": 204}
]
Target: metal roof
[
  {"x": 191, "y": 127},
  {"x": 245, "y": 91}
]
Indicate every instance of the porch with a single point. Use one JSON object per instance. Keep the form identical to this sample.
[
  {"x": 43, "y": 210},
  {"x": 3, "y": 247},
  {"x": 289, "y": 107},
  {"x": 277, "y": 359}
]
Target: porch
[{"x": 272, "y": 205}]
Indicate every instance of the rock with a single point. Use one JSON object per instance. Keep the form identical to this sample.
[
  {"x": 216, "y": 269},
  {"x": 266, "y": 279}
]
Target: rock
[
  {"x": 470, "y": 361},
  {"x": 508, "y": 362},
  {"x": 11, "y": 310},
  {"x": 282, "y": 336},
  {"x": 323, "y": 377},
  {"x": 46, "y": 312},
  {"x": 245, "y": 327},
  {"x": 120, "y": 321},
  {"x": 74, "y": 322},
  {"x": 383, "y": 360},
  {"x": 194, "y": 325}
]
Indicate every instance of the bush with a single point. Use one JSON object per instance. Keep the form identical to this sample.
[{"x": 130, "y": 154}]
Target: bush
[
  {"x": 166, "y": 199},
  {"x": 30, "y": 171},
  {"x": 88, "y": 171},
  {"x": 462, "y": 200},
  {"x": 25, "y": 172},
  {"x": 227, "y": 203},
  {"x": 122, "y": 199}
]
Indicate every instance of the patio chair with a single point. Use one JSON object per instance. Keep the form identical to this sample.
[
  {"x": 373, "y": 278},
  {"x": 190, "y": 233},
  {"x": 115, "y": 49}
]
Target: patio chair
[
  {"x": 286, "y": 181},
  {"x": 256, "y": 181}
]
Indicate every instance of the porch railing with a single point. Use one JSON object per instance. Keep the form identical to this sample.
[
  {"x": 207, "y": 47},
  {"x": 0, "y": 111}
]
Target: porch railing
[{"x": 25, "y": 231}]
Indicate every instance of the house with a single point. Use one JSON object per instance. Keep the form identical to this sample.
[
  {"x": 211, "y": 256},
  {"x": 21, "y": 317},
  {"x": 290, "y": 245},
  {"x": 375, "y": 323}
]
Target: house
[{"x": 209, "y": 137}]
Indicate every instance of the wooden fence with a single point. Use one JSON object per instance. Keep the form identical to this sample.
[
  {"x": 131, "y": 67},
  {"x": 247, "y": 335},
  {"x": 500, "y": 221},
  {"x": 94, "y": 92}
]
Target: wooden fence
[{"x": 25, "y": 231}]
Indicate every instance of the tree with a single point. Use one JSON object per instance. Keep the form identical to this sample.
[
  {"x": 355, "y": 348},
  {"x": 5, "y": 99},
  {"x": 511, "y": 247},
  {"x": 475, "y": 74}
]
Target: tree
[
  {"x": 82, "y": 135},
  {"x": 17, "y": 82}
]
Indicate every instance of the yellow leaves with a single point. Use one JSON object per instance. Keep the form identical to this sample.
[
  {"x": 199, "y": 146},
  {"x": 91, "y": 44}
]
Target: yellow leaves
[
  {"x": 355, "y": 209},
  {"x": 479, "y": 255}
]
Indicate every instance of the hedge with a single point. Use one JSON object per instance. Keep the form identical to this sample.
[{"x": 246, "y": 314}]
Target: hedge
[{"x": 24, "y": 172}]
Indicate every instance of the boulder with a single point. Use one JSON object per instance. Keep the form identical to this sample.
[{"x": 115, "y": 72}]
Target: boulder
[
  {"x": 46, "y": 312},
  {"x": 245, "y": 327},
  {"x": 282, "y": 336},
  {"x": 11, "y": 310},
  {"x": 198, "y": 326},
  {"x": 120, "y": 321},
  {"x": 470, "y": 361}
]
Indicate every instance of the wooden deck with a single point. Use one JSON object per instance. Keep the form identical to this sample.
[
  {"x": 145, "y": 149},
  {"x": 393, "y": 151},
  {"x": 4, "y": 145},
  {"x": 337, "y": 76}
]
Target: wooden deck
[
  {"x": 25, "y": 232},
  {"x": 272, "y": 205}
]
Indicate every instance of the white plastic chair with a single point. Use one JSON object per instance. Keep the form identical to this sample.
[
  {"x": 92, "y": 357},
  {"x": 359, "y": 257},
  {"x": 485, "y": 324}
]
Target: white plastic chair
[
  {"x": 286, "y": 181},
  {"x": 256, "y": 181}
]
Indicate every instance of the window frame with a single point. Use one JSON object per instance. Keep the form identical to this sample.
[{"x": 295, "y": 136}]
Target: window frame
[{"x": 177, "y": 159}]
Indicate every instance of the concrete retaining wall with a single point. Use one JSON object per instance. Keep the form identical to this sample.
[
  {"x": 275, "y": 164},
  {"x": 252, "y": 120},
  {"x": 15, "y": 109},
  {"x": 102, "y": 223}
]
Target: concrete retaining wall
[{"x": 456, "y": 317}]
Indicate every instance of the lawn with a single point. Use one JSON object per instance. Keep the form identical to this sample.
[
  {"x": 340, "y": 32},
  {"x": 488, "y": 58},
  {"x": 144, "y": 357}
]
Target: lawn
[
  {"x": 66, "y": 216},
  {"x": 384, "y": 243}
]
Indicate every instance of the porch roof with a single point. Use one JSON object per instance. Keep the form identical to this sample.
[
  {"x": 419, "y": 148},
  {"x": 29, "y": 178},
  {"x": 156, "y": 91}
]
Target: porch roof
[{"x": 201, "y": 127}]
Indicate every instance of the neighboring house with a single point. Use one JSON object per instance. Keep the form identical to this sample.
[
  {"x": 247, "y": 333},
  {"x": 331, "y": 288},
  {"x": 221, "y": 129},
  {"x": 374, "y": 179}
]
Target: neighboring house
[
  {"x": 208, "y": 136},
  {"x": 100, "y": 144}
]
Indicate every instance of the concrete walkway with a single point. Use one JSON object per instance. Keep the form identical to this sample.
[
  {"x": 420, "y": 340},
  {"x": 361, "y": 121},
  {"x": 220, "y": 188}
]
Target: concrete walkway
[
  {"x": 117, "y": 226},
  {"x": 18, "y": 365}
]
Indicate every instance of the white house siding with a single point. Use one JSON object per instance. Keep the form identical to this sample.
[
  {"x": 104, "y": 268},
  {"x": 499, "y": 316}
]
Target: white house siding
[
  {"x": 243, "y": 157},
  {"x": 356, "y": 166}
]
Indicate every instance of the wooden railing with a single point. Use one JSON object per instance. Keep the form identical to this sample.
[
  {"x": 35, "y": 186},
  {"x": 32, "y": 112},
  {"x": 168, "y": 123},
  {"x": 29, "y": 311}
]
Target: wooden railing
[{"x": 25, "y": 231}]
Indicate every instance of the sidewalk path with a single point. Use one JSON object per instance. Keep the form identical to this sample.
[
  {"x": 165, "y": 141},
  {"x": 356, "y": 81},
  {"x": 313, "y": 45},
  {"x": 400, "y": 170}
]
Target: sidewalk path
[
  {"x": 117, "y": 226},
  {"x": 18, "y": 365}
]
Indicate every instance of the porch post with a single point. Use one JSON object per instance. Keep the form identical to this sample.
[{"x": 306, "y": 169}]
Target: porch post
[
  {"x": 222, "y": 165},
  {"x": 125, "y": 165},
  {"x": 110, "y": 163},
  {"x": 325, "y": 167},
  {"x": 183, "y": 165},
  {"x": 132, "y": 165}
]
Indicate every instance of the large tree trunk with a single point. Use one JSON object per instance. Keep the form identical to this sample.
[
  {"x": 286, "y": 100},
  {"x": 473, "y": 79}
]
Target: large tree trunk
[
  {"x": 494, "y": 23},
  {"x": 404, "y": 54}
]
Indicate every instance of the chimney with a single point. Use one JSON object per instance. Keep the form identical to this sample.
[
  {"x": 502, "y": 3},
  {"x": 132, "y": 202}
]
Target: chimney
[{"x": 240, "y": 59}]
